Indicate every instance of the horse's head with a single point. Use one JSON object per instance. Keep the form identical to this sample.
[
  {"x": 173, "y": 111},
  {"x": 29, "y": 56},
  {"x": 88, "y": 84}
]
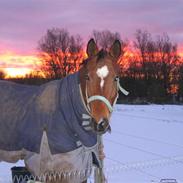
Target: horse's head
[{"x": 100, "y": 83}]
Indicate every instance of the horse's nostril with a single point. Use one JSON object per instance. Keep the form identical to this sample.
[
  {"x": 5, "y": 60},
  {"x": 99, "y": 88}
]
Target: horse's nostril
[{"x": 102, "y": 125}]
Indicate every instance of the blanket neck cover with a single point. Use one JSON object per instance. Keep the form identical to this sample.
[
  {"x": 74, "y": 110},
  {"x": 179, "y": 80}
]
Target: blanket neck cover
[{"x": 56, "y": 108}]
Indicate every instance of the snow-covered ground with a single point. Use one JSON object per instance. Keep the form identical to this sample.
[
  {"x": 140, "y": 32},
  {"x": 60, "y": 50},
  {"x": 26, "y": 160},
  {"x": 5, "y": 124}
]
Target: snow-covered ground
[{"x": 145, "y": 146}]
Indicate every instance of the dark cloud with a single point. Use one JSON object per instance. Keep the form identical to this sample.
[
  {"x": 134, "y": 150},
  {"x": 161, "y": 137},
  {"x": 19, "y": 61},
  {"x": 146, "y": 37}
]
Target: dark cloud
[{"x": 24, "y": 22}]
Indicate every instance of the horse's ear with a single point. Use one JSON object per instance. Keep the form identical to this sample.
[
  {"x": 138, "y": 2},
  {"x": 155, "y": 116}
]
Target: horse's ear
[
  {"x": 115, "y": 49},
  {"x": 91, "y": 48}
]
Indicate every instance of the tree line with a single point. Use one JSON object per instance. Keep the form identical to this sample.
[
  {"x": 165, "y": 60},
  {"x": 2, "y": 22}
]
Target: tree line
[
  {"x": 155, "y": 70},
  {"x": 152, "y": 70}
]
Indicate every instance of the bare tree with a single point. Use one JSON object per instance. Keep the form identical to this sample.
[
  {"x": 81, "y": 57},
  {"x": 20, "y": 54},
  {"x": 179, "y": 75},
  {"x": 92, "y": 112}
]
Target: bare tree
[
  {"x": 2, "y": 74},
  {"x": 105, "y": 39},
  {"x": 142, "y": 39},
  {"x": 180, "y": 82},
  {"x": 168, "y": 59},
  {"x": 146, "y": 48},
  {"x": 60, "y": 52},
  {"x": 158, "y": 58}
]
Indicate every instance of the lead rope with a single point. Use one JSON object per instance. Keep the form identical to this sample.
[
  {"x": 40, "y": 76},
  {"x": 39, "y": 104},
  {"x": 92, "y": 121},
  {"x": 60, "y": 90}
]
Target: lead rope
[{"x": 99, "y": 174}]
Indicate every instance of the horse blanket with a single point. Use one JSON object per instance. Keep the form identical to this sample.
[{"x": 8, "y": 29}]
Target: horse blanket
[{"x": 44, "y": 125}]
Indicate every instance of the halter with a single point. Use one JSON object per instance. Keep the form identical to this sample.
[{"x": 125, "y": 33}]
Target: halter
[{"x": 104, "y": 99}]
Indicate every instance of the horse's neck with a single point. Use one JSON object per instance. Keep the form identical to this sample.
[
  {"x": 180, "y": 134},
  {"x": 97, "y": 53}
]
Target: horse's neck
[{"x": 82, "y": 73}]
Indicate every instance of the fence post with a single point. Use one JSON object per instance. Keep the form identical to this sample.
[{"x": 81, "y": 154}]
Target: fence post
[{"x": 99, "y": 175}]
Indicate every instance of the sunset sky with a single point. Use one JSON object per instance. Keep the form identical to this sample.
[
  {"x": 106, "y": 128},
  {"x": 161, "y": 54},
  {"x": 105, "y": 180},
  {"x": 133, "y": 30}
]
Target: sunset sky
[{"x": 24, "y": 22}]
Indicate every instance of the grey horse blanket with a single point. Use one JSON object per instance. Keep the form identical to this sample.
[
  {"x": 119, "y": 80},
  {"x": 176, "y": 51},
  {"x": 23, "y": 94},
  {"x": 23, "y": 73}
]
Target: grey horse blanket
[{"x": 56, "y": 108}]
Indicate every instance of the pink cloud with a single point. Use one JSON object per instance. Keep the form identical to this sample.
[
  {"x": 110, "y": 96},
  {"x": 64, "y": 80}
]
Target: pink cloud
[{"x": 23, "y": 23}]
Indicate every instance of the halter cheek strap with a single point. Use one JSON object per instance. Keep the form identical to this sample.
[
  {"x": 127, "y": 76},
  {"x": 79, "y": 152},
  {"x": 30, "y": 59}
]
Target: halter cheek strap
[
  {"x": 121, "y": 88},
  {"x": 105, "y": 100}
]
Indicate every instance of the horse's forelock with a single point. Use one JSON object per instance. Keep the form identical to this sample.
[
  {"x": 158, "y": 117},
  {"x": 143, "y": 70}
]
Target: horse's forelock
[{"x": 101, "y": 55}]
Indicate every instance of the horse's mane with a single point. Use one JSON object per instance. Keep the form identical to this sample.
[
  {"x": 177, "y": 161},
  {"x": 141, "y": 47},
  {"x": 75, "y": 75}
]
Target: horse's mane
[{"x": 84, "y": 62}]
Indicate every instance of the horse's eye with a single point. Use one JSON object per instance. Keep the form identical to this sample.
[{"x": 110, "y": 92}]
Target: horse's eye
[
  {"x": 87, "y": 77},
  {"x": 116, "y": 78}
]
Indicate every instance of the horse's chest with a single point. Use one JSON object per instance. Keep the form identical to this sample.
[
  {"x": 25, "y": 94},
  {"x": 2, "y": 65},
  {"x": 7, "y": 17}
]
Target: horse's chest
[{"x": 79, "y": 160}]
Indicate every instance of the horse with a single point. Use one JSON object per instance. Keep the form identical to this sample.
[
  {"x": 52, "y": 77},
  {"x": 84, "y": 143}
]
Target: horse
[{"x": 54, "y": 127}]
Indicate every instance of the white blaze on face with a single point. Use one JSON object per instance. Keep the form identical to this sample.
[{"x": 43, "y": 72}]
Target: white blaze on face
[{"x": 102, "y": 73}]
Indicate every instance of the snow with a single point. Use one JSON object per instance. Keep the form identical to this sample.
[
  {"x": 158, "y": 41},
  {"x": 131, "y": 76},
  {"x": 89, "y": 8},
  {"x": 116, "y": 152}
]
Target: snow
[{"x": 145, "y": 146}]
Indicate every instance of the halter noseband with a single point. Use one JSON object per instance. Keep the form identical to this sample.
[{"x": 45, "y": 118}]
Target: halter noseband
[{"x": 104, "y": 99}]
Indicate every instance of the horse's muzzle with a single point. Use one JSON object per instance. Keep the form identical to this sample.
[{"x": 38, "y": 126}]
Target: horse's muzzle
[{"x": 101, "y": 127}]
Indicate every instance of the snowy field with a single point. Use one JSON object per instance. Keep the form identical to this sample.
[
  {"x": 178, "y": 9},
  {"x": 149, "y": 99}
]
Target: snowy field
[{"x": 145, "y": 146}]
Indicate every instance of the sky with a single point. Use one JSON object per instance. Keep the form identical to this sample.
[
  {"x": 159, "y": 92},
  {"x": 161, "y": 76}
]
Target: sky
[{"x": 24, "y": 22}]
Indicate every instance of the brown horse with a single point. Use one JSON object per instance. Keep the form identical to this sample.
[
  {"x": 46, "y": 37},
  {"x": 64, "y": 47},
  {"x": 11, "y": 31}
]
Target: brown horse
[
  {"x": 99, "y": 79},
  {"x": 99, "y": 82},
  {"x": 45, "y": 125}
]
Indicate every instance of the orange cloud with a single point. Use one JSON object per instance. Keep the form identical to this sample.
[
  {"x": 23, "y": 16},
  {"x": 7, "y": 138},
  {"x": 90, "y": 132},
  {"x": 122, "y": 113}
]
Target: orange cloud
[
  {"x": 15, "y": 64},
  {"x": 180, "y": 51}
]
